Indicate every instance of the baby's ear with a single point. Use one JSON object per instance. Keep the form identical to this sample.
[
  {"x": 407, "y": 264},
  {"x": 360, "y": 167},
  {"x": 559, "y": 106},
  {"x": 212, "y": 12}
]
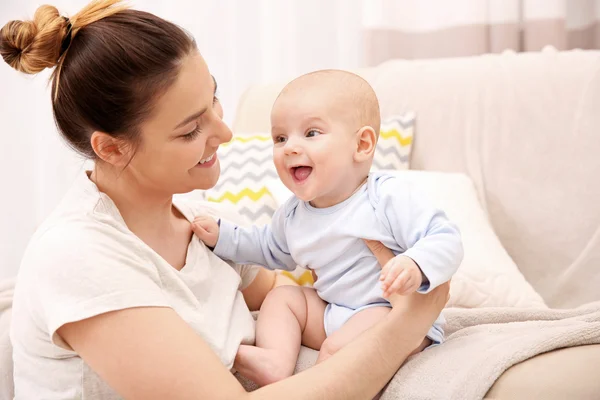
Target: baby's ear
[{"x": 366, "y": 142}]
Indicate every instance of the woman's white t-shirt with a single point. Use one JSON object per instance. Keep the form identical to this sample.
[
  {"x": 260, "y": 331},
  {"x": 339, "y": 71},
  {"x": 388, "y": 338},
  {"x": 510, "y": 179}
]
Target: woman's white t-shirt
[{"x": 82, "y": 262}]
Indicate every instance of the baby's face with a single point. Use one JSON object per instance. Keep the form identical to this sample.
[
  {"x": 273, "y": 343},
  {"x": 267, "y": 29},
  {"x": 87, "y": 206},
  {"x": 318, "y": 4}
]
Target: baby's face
[{"x": 314, "y": 144}]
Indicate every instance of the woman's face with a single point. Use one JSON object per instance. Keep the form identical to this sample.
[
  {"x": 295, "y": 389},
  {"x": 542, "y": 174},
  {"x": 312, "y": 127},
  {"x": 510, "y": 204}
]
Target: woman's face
[{"x": 177, "y": 153}]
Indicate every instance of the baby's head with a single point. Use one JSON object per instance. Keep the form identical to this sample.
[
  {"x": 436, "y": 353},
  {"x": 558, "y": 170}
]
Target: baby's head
[{"x": 325, "y": 126}]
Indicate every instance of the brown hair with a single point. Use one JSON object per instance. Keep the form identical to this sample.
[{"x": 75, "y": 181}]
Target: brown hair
[{"x": 117, "y": 63}]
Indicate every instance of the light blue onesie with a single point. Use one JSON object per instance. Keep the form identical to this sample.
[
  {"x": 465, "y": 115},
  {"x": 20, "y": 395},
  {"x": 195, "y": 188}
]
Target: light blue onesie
[{"x": 329, "y": 241}]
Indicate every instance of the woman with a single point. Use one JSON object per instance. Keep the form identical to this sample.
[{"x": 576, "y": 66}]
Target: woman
[{"x": 115, "y": 297}]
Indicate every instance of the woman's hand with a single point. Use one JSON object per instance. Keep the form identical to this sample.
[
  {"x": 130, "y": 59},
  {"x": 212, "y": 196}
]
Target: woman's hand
[{"x": 433, "y": 302}]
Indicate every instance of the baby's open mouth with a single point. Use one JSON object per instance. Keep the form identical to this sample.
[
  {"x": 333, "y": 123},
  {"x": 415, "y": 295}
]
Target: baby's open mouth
[{"x": 301, "y": 172}]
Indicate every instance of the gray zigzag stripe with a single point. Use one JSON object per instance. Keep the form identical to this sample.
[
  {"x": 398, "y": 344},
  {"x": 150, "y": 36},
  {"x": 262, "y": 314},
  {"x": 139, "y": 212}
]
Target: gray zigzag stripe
[
  {"x": 247, "y": 176},
  {"x": 403, "y": 123},
  {"x": 386, "y": 151},
  {"x": 247, "y": 147},
  {"x": 380, "y": 166},
  {"x": 253, "y": 215},
  {"x": 244, "y": 164}
]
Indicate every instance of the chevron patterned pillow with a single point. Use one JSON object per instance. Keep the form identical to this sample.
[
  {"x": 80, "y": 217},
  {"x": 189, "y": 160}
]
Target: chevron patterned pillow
[
  {"x": 247, "y": 166},
  {"x": 395, "y": 143}
]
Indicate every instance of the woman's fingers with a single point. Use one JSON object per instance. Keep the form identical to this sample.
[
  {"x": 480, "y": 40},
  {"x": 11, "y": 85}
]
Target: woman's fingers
[
  {"x": 381, "y": 253},
  {"x": 445, "y": 290},
  {"x": 437, "y": 298}
]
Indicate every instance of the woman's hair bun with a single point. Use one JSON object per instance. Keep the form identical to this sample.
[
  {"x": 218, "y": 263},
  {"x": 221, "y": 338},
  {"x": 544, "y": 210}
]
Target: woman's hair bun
[{"x": 32, "y": 46}]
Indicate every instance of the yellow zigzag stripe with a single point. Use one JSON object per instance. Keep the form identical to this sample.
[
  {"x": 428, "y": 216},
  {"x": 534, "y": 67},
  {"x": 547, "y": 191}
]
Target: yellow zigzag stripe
[
  {"x": 394, "y": 134},
  {"x": 306, "y": 279},
  {"x": 246, "y": 139},
  {"x": 236, "y": 197}
]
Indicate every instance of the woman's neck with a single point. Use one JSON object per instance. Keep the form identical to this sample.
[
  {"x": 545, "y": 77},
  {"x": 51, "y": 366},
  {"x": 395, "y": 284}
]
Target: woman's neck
[{"x": 145, "y": 211}]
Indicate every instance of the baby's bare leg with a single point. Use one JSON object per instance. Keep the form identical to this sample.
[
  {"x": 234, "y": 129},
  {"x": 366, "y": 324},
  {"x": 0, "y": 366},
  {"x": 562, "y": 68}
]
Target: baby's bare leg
[{"x": 289, "y": 316}]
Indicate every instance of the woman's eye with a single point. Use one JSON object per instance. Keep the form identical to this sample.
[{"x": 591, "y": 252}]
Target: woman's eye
[
  {"x": 312, "y": 133},
  {"x": 192, "y": 135}
]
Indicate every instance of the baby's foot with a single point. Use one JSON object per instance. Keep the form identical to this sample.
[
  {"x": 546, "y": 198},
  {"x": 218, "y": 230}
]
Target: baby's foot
[{"x": 263, "y": 366}]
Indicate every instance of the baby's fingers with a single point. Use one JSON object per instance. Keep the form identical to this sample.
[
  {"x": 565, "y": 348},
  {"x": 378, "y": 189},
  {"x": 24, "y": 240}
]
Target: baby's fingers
[
  {"x": 402, "y": 284},
  {"x": 385, "y": 270},
  {"x": 201, "y": 218},
  {"x": 199, "y": 229},
  {"x": 393, "y": 270}
]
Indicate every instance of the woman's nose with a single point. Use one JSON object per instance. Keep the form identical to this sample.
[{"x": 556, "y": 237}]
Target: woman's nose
[{"x": 222, "y": 133}]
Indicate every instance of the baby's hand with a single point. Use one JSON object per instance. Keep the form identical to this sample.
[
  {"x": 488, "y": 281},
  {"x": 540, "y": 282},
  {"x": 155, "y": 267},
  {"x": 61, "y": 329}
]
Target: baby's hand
[
  {"x": 400, "y": 275},
  {"x": 207, "y": 229}
]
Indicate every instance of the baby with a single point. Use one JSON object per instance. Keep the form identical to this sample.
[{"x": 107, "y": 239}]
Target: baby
[{"x": 325, "y": 127}]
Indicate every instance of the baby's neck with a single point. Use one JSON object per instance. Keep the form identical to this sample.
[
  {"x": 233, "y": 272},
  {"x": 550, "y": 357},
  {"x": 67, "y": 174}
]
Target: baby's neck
[{"x": 343, "y": 195}]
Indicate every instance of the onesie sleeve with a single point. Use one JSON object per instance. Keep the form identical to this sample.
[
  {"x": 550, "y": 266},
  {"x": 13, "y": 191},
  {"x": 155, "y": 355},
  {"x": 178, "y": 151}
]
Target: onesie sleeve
[
  {"x": 422, "y": 231},
  {"x": 264, "y": 245}
]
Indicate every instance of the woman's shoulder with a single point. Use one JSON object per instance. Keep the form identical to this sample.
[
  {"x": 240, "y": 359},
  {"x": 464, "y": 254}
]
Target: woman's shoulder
[
  {"x": 90, "y": 264},
  {"x": 85, "y": 221},
  {"x": 76, "y": 242},
  {"x": 83, "y": 209},
  {"x": 80, "y": 239}
]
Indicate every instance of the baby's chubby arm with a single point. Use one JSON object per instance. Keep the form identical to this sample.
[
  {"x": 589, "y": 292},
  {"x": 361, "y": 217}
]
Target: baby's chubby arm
[
  {"x": 264, "y": 245},
  {"x": 432, "y": 244}
]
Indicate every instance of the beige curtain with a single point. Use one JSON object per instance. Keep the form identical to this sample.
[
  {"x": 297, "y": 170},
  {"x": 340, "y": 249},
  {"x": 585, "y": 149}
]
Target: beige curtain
[{"x": 443, "y": 28}]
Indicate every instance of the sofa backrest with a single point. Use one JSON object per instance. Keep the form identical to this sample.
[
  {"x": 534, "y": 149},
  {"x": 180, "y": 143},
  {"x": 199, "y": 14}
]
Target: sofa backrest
[{"x": 526, "y": 128}]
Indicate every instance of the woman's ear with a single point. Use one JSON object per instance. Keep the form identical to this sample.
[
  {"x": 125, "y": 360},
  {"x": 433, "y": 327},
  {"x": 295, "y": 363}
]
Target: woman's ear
[
  {"x": 366, "y": 138},
  {"x": 111, "y": 150}
]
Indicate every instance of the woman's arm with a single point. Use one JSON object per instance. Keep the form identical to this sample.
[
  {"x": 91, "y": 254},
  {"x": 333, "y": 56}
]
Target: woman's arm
[
  {"x": 151, "y": 353},
  {"x": 361, "y": 368},
  {"x": 263, "y": 283}
]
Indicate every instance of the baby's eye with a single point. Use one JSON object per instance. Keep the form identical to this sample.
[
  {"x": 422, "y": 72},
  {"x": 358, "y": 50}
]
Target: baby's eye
[
  {"x": 312, "y": 133},
  {"x": 279, "y": 139}
]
